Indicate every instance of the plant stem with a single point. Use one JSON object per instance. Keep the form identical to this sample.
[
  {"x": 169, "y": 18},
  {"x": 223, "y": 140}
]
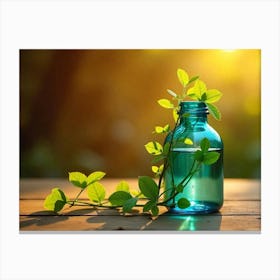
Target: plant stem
[
  {"x": 188, "y": 178},
  {"x": 84, "y": 203},
  {"x": 73, "y": 202},
  {"x": 168, "y": 152}
]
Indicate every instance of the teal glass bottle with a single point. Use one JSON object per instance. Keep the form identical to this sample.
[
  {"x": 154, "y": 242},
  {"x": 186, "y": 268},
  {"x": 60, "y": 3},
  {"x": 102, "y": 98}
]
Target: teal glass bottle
[{"x": 204, "y": 190}]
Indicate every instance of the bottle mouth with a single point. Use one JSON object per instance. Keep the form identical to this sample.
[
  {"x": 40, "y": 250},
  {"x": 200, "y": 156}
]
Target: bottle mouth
[{"x": 193, "y": 107}]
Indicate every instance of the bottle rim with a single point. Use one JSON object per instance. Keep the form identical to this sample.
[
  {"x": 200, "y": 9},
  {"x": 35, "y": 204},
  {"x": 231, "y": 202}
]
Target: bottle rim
[{"x": 193, "y": 107}]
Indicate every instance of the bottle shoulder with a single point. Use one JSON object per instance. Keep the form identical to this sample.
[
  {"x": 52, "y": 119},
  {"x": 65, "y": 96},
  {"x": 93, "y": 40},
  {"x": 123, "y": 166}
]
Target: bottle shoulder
[{"x": 196, "y": 134}]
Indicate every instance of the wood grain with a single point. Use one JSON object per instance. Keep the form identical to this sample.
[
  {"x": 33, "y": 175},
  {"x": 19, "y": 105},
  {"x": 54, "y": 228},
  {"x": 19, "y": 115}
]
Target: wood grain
[{"x": 241, "y": 212}]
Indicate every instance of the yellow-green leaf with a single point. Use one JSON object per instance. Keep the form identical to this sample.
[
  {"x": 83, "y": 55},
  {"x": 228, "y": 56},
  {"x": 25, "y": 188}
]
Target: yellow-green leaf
[
  {"x": 95, "y": 176},
  {"x": 96, "y": 192},
  {"x": 165, "y": 103},
  {"x": 155, "y": 168},
  {"x": 166, "y": 128},
  {"x": 158, "y": 129},
  {"x": 55, "y": 201},
  {"x": 78, "y": 179},
  {"x": 197, "y": 90},
  {"x": 213, "y": 95},
  {"x": 175, "y": 115},
  {"x": 137, "y": 193},
  {"x": 183, "y": 77},
  {"x": 123, "y": 186},
  {"x": 188, "y": 141},
  {"x": 154, "y": 148},
  {"x": 214, "y": 111}
]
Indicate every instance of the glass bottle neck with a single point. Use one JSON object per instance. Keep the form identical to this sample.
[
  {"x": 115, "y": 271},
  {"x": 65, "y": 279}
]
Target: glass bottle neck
[{"x": 193, "y": 111}]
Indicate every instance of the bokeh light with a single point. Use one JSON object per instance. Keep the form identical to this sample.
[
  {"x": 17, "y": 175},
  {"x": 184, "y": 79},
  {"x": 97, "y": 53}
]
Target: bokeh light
[{"x": 86, "y": 110}]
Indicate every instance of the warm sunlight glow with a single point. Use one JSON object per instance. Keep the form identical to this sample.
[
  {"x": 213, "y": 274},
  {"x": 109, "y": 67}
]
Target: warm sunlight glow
[{"x": 229, "y": 50}]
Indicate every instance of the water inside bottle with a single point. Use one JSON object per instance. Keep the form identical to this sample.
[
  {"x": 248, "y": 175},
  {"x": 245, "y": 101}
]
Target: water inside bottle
[{"x": 205, "y": 188}]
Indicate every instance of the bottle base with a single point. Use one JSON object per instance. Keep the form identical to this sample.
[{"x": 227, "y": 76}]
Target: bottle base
[{"x": 197, "y": 208}]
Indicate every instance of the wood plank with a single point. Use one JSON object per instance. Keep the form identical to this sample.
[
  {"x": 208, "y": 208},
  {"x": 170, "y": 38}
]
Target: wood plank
[
  {"x": 40, "y": 188},
  {"x": 206, "y": 223},
  {"x": 141, "y": 223},
  {"x": 230, "y": 207}
]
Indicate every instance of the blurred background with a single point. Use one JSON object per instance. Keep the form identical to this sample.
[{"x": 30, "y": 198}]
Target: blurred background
[{"x": 88, "y": 110}]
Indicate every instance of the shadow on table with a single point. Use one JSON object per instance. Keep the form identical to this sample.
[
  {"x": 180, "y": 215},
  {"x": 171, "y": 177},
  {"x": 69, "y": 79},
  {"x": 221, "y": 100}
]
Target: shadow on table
[
  {"x": 164, "y": 222},
  {"x": 96, "y": 219},
  {"x": 112, "y": 220},
  {"x": 133, "y": 221},
  {"x": 42, "y": 218}
]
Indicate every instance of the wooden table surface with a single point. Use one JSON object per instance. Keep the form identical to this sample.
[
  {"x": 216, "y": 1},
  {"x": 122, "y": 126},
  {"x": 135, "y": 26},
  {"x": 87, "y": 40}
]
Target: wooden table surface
[{"x": 240, "y": 212}]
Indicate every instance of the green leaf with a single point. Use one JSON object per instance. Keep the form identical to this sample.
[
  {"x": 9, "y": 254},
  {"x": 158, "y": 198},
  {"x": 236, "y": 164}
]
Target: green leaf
[
  {"x": 180, "y": 188},
  {"x": 123, "y": 186},
  {"x": 172, "y": 93},
  {"x": 204, "y": 145},
  {"x": 148, "y": 187},
  {"x": 78, "y": 179},
  {"x": 183, "y": 203},
  {"x": 188, "y": 141},
  {"x": 155, "y": 210},
  {"x": 129, "y": 204},
  {"x": 149, "y": 205},
  {"x": 55, "y": 201},
  {"x": 183, "y": 77},
  {"x": 119, "y": 197},
  {"x": 197, "y": 90},
  {"x": 213, "y": 95},
  {"x": 203, "y": 97},
  {"x": 158, "y": 158},
  {"x": 185, "y": 115},
  {"x": 95, "y": 176},
  {"x": 166, "y": 148},
  {"x": 214, "y": 111},
  {"x": 165, "y": 103},
  {"x": 96, "y": 192},
  {"x": 198, "y": 155},
  {"x": 166, "y": 128},
  {"x": 193, "y": 79},
  {"x": 210, "y": 158},
  {"x": 154, "y": 148}
]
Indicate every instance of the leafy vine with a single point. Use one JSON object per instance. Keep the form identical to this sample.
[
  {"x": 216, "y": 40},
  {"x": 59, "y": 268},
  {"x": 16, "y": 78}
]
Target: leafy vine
[{"x": 151, "y": 192}]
